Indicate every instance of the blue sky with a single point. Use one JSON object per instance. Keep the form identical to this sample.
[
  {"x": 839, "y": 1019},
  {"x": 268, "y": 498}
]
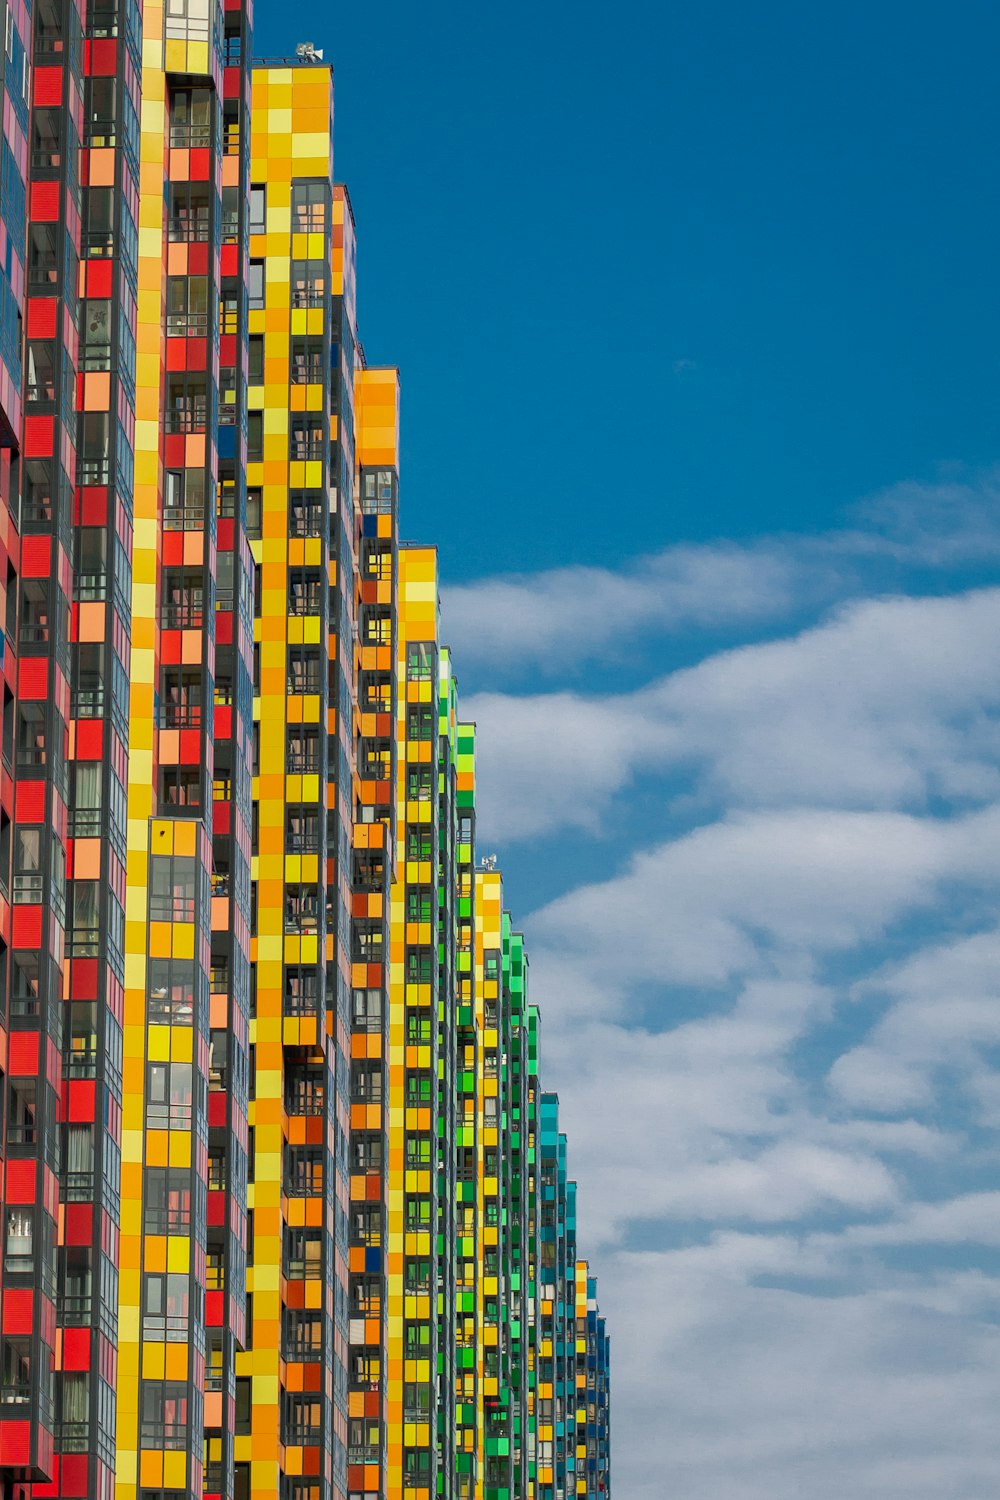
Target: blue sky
[{"x": 696, "y": 311}]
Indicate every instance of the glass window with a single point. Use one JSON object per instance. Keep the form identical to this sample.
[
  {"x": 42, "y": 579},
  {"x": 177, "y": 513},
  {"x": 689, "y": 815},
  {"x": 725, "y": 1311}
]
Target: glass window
[{"x": 258, "y": 207}]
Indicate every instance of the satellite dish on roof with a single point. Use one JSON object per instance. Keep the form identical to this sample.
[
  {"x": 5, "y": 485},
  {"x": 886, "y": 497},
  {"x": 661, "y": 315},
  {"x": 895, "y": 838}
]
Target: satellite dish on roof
[{"x": 308, "y": 52}]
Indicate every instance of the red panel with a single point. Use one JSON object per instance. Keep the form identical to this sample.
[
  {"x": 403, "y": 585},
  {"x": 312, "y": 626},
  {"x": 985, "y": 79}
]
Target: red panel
[
  {"x": 190, "y": 747},
  {"x": 22, "y": 1054},
  {"x": 26, "y": 927},
  {"x": 39, "y": 435},
  {"x": 36, "y": 555},
  {"x": 197, "y": 354},
  {"x": 103, "y": 57},
  {"x": 216, "y": 1109},
  {"x": 224, "y": 721},
  {"x": 48, "y": 85},
  {"x": 21, "y": 1181},
  {"x": 224, "y": 628},
  {"x": 33, "y": 677},
  {"x": 44, "y": 202},
  {"x": 94, "y": 499},
  {"x": 29, "y": 802},
  {"x": 18, "y": 1309},
  {"x": 222, "y": 818},
  {"x": 84, "y": 985},
  {"x": 227, "y": 347},
  {"x": 15, "y": 1443},
  {"x": 76, "y": 1348},
  {"x": 82, "y": 1101},
  {"x": 98, "y": 278},
  {"x": 213, "y": 1309},
  {"x": 79, "y": 1223},
  {"x": 42, "y": 318},
  {"x": 170, "y": 647},
  {"x": 89, "y": 739},
  {"x": 75, "y": 1479}
]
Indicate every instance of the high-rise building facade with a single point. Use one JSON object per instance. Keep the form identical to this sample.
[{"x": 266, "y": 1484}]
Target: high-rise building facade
[{"x": 285, "y": 1211}]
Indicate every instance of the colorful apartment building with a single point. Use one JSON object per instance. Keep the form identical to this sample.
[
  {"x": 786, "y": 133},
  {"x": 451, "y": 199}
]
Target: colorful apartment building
[{"x": 286, "y": 1215}]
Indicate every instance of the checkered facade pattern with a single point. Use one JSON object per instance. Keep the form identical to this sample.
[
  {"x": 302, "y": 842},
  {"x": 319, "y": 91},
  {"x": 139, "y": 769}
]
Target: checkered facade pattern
[{"x": 285, "y": 1210}]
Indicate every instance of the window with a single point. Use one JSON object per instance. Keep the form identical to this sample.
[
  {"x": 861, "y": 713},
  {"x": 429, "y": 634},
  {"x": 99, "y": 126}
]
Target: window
[
  {"x": 305, "y": 437},
  {"x": 21, "y": 1115},
  {"x": 419, "y": 661},
  {"x": 191, "y": 117},
  {"x": 255, "y": 283},
  {"x": 255, "y": 510},
  {"x": 301, "y": 830},
  {"x": 305, "y": 1091},
  {"x": 255, "y": 436},
  {"x": 303, "y": 670},
  {"x": 168, "y": 1200},
  {"x": 186, "y": 405},
  {"x": 301, "y": 908},
  {"x": 303, "y": 1254},
  {"x": 244, "y": 1387},
  {"x": 305, "y": 591},
  {"x": 366, "y": 1010},
  {"x": 419, "y": 965},
  {"x": 305, "y": 513},
  {"x": 366, "y": 1153},
  {"x": 258, "y": 208},
  {"x": 164, "y": 1414},
  {"x": 303, "y": 1171},
  {"x": 309, "y": 201},
  {"x": 418, "y": 1089},
  {"x": 306, "y": 362},
  {"x": 187, "y": 306},
  {"x": 170, "y": 991},
  {"x": 308, "y": 283},
  {"x": 301, "y": 991},
  {"x": 184, "y": 499},
  {"x": 19, "y": 1249},
  {"x": 418, "y": 844},
  {"x": 418, "y": 1152},
  {"x": 363, "y": 1441},
  {"x": 303, "y": 1334},
  {"x": 189, "y": 211},
  {"x": 168, "y": 1096},
  {"x": 256, "y": 366},
  {"x": 418, "y": 1028},
  {"x": 419, "y": 903},
  {"x": 165, "y": 1307},
  {"x": 302, "y": 1419},
  {"x": 419, "y": 784},
  {"x": 419, "y": 722},
  {"x": 302, "y": 748}
]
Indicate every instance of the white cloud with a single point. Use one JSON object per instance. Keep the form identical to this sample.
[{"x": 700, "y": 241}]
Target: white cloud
[
  {"x": 890, "y": 703},
  {"x": 556, "y": 619},
  {"x": 729, "y": 1391},
  {"x": 567, "y": 614},
  {"x": 774, "y": 1028},
  {"x": 766, "y": 893},
  {"x": 946, "y": 1008}
]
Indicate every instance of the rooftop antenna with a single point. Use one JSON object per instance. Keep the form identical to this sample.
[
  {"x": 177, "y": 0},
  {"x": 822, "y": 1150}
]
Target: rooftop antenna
[
  {"x": 489, "y": 861},
  {"x": 308, "y": 52}
]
